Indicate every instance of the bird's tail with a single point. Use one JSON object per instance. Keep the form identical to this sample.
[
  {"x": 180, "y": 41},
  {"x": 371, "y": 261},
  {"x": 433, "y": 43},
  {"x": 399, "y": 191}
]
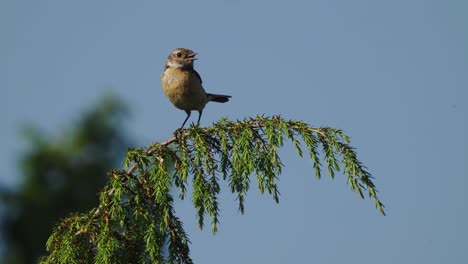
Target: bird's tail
[{"x": 220, "y": 98}]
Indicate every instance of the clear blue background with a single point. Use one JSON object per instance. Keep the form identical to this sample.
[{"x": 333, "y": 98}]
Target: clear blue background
[{"x": 392, "y": 74}]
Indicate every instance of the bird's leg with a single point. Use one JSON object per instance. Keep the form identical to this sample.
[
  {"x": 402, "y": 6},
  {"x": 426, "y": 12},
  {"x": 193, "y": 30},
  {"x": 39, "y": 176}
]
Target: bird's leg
[
  {"x": 199, "y": 116},
  {"x": 188, "y": 115}
]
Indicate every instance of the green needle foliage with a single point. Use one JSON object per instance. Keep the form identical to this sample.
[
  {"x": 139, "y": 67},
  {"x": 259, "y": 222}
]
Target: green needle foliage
[{"x": 136, "y": 221}]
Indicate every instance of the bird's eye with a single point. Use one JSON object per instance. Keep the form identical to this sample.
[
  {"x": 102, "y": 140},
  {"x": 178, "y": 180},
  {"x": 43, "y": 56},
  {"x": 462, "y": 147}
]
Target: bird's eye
[{"x": 178, "y": 54}]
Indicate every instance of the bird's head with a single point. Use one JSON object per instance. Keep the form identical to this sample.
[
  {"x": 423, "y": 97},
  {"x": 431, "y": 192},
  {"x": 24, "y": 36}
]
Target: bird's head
[{"x": 181, "y": 58}]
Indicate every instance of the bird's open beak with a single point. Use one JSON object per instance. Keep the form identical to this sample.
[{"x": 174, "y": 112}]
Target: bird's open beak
[{"x": 192, "y": 56}]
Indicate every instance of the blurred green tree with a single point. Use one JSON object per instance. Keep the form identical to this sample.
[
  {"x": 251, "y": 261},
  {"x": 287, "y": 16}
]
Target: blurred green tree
[{"x": 59, "y": 176}]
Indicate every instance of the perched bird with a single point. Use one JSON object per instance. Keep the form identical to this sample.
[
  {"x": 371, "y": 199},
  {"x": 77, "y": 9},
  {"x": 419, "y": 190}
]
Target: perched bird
[{"x": 183, "y": 85}]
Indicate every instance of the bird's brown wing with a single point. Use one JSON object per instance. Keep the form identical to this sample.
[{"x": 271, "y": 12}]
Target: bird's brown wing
[{"x": 198, "y": 75}]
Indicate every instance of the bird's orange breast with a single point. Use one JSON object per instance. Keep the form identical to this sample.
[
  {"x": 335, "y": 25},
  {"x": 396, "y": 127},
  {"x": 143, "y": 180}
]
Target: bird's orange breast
[{"x": 184, "y": 89}]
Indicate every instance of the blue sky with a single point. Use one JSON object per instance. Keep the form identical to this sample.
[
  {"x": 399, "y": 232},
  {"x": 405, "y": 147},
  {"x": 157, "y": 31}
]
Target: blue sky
[{"x": 392, "y": 74}]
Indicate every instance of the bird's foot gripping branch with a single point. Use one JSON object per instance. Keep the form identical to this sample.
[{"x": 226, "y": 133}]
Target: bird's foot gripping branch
[{"x": 136, "y": 221}]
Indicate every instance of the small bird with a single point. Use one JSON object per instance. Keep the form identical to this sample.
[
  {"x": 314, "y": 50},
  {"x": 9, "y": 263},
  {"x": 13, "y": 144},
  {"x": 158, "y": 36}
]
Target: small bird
[{"x": 183, "y": 85}]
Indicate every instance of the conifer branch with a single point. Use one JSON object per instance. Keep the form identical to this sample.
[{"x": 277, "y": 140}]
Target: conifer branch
[{"x": 136, "y": 207}]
